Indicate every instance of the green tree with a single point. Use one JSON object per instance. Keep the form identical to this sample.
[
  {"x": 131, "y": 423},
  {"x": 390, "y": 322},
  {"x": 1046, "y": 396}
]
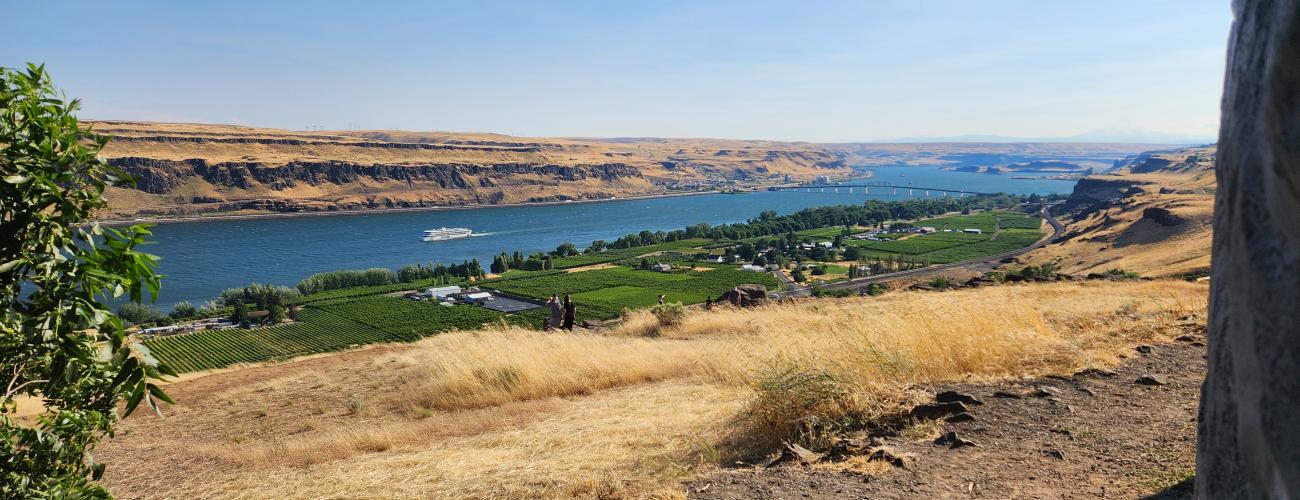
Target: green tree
[
  {"x": 138, "y": 314},
  {"x": 55, "y": 271},
  {"x": 566, "y": 249},
  {"x": 275, "y": 314},
  {"x": 798, "y": 276},
  {"x": 184, "y": 310},
  {"x": 240, "y": 314}
]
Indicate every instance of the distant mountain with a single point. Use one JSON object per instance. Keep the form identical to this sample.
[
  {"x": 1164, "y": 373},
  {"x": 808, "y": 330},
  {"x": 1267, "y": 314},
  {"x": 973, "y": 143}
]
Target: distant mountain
[{"x": 1109, "y": 135}]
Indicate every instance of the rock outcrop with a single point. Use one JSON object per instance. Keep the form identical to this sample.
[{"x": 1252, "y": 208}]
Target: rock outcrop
[
  {"x": 162, "y": 176},
  {"x": 1247, "y": 445}
]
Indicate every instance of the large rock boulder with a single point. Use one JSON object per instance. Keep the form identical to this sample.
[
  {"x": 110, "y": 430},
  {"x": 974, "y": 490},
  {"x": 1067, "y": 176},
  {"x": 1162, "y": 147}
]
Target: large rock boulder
[
  {"x": 744, "y": 295},
  {"x": 1247, "y": 444}
]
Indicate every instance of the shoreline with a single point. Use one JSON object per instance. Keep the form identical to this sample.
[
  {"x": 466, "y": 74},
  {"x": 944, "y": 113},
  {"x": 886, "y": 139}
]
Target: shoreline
[{"x": 366, "y": 211}]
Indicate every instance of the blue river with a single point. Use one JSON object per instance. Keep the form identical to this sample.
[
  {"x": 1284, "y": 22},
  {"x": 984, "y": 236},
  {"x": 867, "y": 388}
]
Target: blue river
[{"x": 199, "y": 259}]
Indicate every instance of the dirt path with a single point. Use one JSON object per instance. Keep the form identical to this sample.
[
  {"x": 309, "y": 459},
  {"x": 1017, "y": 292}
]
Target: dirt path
[{"x": 1090, "y": 435}]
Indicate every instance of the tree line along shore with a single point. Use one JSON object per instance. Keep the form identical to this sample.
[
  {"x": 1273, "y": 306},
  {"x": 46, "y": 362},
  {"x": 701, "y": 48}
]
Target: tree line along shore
[{"x": 343, "y": 309}]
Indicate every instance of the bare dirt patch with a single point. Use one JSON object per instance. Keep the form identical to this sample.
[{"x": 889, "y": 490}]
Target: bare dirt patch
[{"x": 1089, "y": 435}]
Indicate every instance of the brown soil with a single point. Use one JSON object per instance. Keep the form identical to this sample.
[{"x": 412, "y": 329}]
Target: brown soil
[{"x": 1100, "y": 436}]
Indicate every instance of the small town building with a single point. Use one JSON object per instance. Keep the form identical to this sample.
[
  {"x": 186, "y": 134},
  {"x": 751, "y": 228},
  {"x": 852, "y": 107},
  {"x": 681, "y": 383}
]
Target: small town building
[
  {"x": 753, "y": 268},
  {"x": 662, "y": 267}
]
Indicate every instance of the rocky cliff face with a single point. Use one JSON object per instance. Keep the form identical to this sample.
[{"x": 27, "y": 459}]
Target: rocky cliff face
[{"x": 163, "y": 176}]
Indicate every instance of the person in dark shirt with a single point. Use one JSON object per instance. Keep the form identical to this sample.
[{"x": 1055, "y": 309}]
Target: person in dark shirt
[{"x": 570, "y": 312}]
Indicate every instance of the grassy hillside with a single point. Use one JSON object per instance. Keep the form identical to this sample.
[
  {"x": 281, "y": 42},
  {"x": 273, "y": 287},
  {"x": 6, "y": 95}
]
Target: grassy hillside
[
  {"x": 1152, "y": 216},
  {"x": 506, "y": 412}
]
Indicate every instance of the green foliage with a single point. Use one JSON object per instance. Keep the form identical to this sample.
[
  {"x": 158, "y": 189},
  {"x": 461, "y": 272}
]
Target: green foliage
[
  {"x": 612, "y": 255},
  {"x": 941, "y": 282},
  {"x": 875, "y": 289},
  {"x": 565, "y": 249},
  {"x": 1120, "y": 274},
  {"x": 322, "y": 327},
  {"x": 798, "y": 276},
  {"x": 604, "y": 293},
  {"x": 261, "y": 296},
  {"x": 820, "y": 292},
  {"x": 184, "y": 310},
  {"x": 1044, "y": 271},
  {"x": 670, "y": 314},
  {"x": 57, "y": 341},
  {"x": 334, "y": 280},
  {"x": 139, "y": 314}
]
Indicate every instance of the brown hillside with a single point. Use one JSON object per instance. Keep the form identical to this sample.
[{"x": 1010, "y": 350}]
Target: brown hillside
[
  {"x": 189, "y": 169},
  {"x": 1152, "y": 216}
]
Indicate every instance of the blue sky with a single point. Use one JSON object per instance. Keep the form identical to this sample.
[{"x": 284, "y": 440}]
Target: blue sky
[{"x": 817, "y": 71}]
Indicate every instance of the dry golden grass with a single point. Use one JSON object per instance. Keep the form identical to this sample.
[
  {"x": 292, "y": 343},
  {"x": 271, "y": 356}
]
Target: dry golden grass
[
  {"x": 508, "y": 413},
  {"x": 1119, "y": 237}
]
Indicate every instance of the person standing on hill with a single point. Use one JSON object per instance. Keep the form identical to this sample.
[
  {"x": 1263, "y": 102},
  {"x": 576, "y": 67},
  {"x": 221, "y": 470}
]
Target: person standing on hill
[
  {"x": 570, "y": 313},
  {"x": 557, "y": 312},
  {"x": 661, "y": 299}
]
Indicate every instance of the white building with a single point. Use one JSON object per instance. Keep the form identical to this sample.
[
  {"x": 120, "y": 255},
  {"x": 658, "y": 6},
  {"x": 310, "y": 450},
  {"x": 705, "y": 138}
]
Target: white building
[
  {"x": 971, "y": 231},
  {"x": 442, "y": 292},
  {"x": 477, "y": 297},
  {"x": 662, "y": 267},
  {"x": 753, "y": 268}
]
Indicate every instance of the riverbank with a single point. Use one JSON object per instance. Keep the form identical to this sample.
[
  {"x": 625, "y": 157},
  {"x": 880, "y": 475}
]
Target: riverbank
[
  {"x": 857, "y": 175},
  {"x": 370, "y": 211}
]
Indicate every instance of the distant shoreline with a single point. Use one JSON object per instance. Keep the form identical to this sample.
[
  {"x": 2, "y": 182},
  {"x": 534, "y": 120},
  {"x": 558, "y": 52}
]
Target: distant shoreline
[{"x": 365, "y": 211}]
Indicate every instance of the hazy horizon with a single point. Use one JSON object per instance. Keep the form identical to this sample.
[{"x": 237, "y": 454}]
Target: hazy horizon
[{"x": 833, "y": 72}]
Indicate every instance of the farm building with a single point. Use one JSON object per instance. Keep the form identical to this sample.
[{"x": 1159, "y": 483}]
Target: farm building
[
  {"x": 927, "y": 229},
  {"x": 662, "y": 267},
  {"x": 753, "y": 268},
  {"x": 971, "y": 231},
  {"x": 442, "y": 292},
  {"x": 476, "y": 298}
]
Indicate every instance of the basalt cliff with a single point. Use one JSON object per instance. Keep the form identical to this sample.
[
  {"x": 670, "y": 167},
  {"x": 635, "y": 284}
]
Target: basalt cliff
[{"x": 194, "y": 169}]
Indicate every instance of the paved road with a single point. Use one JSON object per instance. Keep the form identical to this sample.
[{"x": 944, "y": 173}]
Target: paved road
[{"x": 983, "y": 264}]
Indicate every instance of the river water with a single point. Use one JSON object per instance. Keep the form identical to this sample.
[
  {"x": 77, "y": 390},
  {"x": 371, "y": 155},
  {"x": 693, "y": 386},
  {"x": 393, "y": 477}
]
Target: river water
[{"x": 200, "y": 259}]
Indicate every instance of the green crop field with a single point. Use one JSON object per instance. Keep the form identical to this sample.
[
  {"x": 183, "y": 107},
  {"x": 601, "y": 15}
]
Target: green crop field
[
  {"x": 604, "y": 293},
  {"x": 1001, "y": 232},
  {"x": 339, "y": 319},
  {"x": 915, "y": 245},
  {"x": 626, "y": 253},
  {"x": 323, "y": 327}
]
